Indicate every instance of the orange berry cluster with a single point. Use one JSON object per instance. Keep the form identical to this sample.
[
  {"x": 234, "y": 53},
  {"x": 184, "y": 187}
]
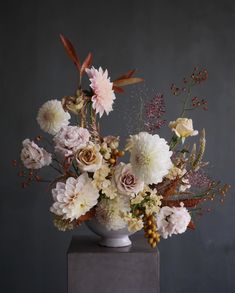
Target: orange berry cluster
[
  {"x": 150, "y": 229},
  {"x": 114, "y": 156}
]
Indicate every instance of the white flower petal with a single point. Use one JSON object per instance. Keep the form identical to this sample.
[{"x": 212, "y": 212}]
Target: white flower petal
[{"x": 52, "y": 117}]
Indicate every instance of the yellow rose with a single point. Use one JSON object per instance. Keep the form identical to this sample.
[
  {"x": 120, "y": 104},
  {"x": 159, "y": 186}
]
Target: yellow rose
[{"x": 183, "y": 127}]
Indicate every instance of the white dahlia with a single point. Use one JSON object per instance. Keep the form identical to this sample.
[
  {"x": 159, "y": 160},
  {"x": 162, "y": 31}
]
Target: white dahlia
[
  {"x": 51, "y": 117},
  {"x": 102, "y": 100},
  {"x": 150, "y": 157},
  {"x": 109, "y": 212},
  {"x": 172, "y": 220},
  {"x": 74, "y": 198}
]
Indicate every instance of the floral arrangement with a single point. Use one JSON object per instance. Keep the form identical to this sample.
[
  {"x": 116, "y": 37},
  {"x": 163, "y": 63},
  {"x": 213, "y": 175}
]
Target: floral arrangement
[{"x": 162, "y": 187}]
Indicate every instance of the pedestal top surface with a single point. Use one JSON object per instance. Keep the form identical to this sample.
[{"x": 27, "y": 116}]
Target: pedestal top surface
[{"x": 90, "y": 244}]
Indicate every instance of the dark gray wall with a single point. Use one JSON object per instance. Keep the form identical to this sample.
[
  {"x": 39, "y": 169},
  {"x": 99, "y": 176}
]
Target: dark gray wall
[{"x": 164, "y": 40}]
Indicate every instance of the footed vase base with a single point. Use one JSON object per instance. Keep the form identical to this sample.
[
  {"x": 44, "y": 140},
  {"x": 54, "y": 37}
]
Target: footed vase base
[{"x": 115, "y": 242}]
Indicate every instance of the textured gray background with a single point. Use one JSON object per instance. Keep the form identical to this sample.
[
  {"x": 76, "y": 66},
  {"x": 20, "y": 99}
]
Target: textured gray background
[{"x": 164, "y": 40}]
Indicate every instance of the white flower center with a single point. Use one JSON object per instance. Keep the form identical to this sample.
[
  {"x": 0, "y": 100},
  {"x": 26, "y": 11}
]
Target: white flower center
[
  {"x": 49, "y": 116},
  {"x": 143, "y": 159}
]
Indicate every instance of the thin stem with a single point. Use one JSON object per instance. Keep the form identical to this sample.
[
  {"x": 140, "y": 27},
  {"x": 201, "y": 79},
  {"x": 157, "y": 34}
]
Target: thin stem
[
  {"x": 75, "y": 168},
  {"x": 80, "y": 81},
  {"x": 174, "y": 142},
  {"x": 56, "y": 160},
  {"x": 186, "y": 99},
  {"x": 77, "y": 120},
  {"x": 83, "y": 116},
  {"x": 56, "y": 169},
  {"x": 48, "y": 142},
  {"x": 44, "y": 181}
]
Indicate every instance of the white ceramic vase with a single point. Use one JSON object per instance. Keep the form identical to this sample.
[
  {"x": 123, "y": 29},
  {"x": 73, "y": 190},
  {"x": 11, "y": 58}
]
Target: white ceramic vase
[{"x": 109, "y": 238}]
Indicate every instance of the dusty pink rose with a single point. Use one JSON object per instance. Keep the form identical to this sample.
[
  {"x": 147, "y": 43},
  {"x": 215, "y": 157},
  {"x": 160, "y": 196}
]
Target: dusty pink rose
[
  {"x": 70, "y": 139},
  {"x": 102, "y": 100},
  {"x": 34, "y": 157},
  {"x": 127, "y": 183}
]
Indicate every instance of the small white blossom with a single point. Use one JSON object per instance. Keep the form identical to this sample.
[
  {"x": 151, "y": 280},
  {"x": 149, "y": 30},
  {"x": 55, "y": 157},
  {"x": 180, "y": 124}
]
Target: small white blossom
[
  {"x": 134, "y": 224},
  {"x": 153, "y": 204}
]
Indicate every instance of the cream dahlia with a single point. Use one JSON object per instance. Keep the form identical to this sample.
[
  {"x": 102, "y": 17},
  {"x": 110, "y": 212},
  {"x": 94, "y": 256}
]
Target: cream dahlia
[
  {"x": 51, "y": 117},
  {"x": 150, "y": 157},
  {"x": 102, "y": 100},
  {"x": 172, "y": 220},
  {"x": 70, "y": 139},
  {"x": 74, "y": 198},
  {"x": 34, "y": 157}
]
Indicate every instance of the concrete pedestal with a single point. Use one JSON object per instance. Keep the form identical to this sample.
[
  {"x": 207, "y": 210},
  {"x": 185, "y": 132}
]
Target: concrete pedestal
[{"x": 96, "y": 269}]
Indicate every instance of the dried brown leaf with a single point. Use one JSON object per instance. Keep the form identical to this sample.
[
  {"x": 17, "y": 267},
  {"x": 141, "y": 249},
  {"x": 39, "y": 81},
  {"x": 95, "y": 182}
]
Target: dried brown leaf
[
  {"x": 86, "y": 63},
  {"x": 191, "y": 225},
  {"x": 70, "y": 51},
  {"x": 118, "y": 89},
  {"x": 90, "y": 214},
  {"x": 129, "y": 74},
  {"x": 127, "y": 81},
  {"x": 171, "y": 188},
  {"x": 188, "y": 203}
]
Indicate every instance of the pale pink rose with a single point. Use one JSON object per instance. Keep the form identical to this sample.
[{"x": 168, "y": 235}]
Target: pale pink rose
[
  {"x": 127, "y": 183},
  {"x": 172, "y": 220},
  {"x": 34, "y": 157},
  {"x": 102, "y": 100},
  {"x": 70, "y": 139}
]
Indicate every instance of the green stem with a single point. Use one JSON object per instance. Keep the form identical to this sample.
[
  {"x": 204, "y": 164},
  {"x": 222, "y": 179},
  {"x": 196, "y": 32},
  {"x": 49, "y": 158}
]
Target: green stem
[
  {"x": 75, "y": 168},
  {"x": 174, "y": 141},
  {"x": 186, "y": 99}
]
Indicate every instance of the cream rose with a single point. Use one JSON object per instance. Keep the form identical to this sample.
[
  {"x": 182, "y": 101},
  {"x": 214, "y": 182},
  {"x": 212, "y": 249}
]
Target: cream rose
[
  {"x": 34, "y": 157},
  {"x": 89, "y": 158},
  {"x": 127, "y": 183},
  {"x": 183, "y": 127}
]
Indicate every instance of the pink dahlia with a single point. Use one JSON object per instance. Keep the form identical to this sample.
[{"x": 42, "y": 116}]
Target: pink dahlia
[{"x": 103, "y": 90}]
